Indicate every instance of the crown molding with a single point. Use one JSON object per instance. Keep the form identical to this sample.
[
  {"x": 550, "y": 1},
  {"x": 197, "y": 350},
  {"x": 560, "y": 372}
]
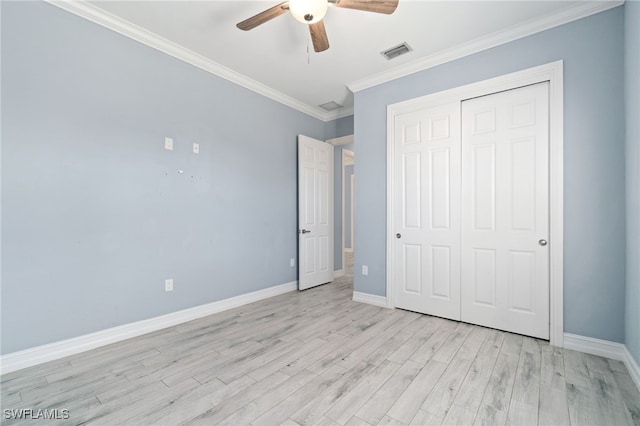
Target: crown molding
[
  {"x": 101, "y": 17},
  {"x": 498, "y": 38}
]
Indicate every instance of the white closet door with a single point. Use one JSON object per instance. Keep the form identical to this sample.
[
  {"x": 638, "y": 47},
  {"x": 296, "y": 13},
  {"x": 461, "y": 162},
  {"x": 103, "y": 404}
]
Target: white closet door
[
  {"x": 505, "y": 210},
  {"x": 426, "y": 245}
]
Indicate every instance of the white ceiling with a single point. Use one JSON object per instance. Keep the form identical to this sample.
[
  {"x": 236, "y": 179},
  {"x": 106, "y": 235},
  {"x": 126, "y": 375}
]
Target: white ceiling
[{"x": 278, "y": 54}]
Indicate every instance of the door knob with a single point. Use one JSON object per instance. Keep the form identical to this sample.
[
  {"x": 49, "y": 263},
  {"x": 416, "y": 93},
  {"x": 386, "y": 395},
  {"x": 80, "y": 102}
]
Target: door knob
[
  {"x": 398, "y": 235},
  {"x": 305, "y": 231},
  {"x": 542, "y": 242}
]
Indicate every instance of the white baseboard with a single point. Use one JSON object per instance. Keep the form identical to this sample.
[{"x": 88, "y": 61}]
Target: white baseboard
[
  {"x": 49, "y": 352},
  {"x": 632, "y": 366},
  {"x": 606, "y": 349},
  {"x": 594, "y": 346},
  {"x": 371, "y": 299},
  {"x": 338, "y": 273}
]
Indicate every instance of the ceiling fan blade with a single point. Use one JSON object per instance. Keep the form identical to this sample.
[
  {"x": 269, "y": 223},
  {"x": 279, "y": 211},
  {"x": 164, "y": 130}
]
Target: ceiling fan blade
[
  {"x": 378, "y": 6},
  {"x": 319, "y": 36},
  {"x": 263, "y": 17}
]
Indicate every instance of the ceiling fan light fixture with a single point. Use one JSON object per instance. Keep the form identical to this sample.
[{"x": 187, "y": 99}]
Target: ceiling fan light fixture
[{"x": 308, "y": 11}]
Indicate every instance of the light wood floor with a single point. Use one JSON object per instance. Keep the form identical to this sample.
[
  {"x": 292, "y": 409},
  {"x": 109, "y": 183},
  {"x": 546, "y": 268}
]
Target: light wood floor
[{"x": 317, "y": 357}]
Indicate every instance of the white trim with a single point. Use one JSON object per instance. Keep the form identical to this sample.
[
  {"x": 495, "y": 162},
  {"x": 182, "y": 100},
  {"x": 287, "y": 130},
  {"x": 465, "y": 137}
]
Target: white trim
[
  {"x": 553, "y": 73},
  {"x": 556, "y": 204},
  {"x": 593, "y": 346},
  {"x": 507, "y": 35},
  {"x": 606, "y": 349},
  {"x": 347, "y": 156},
  {"x": 344, "y": 156},
  {"x": 128, "y": 29},
  {"x": 338, "y": 273},
  {"x": 342, "y": 140},
  {"x": 115, "y": 23},
  {"x": 347, "y": 159},
  {"x": 49, "y": 352},
  {"x": 632, "y": 366},
  {"x": 352, "y": 218},
  {"x": 370, "y": 299},
  {"x": 348, "y": 250}
]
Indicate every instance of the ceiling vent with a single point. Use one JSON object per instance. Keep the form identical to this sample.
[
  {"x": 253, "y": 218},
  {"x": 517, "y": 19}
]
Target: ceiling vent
[
  {"x": 330, "y": 106},
  {"x": 396, "y": 51}
]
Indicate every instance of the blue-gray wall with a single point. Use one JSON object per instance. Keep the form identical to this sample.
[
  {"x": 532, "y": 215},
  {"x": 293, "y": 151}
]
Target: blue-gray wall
[
  {"x": 594, "y": 226},
  {"x": 335, "y": 129},
  {"x": 339, "y": 127},
  {"x": 95, "y": 213},
  {"x": 632, "y": 92}
]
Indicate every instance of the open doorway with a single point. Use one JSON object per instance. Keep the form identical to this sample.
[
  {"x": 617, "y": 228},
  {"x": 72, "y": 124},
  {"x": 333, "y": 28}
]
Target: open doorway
[
  {"x": 344, "y": 177},
  {"x": 348, "y": 162}
]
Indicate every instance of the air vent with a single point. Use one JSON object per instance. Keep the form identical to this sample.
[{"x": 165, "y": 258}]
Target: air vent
[
  {"x": 396, "y": 51},
  {"x": 330, "y": 106}
]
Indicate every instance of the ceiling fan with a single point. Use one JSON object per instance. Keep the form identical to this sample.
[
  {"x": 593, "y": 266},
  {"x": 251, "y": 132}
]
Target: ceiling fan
[{"x": 311, "y": 12}]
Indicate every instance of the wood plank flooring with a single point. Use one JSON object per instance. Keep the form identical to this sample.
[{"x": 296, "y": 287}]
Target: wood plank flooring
[{"x": 318, "y": 358}]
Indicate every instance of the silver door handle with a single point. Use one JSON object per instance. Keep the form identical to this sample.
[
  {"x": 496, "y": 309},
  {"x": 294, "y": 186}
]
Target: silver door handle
[
  {"x": 542, "y": 242},
  {"x": 304, "y": 231}
]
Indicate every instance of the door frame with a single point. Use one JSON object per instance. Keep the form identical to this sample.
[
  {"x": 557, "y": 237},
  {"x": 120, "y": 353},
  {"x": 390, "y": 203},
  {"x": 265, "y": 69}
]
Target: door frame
[
  {"x": 339, "y": 141},
  {"x": 348, "y": 159},
  {"x": 551, "y": 72},
  {"x": 352, "y": 218}
]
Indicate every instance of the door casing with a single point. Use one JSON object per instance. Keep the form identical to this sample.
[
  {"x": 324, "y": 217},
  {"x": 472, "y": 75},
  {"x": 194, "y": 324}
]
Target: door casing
[
  {"x": 553, "y": 73},
  {"x": 348, "y": 158}
]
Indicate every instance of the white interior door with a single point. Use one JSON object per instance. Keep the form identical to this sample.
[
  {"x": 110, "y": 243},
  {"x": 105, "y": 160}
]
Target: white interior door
[
  {"x": 426, "y": 189},
  {"x": 315, "y": 212},
  {"x": 505, "y": 210}
]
